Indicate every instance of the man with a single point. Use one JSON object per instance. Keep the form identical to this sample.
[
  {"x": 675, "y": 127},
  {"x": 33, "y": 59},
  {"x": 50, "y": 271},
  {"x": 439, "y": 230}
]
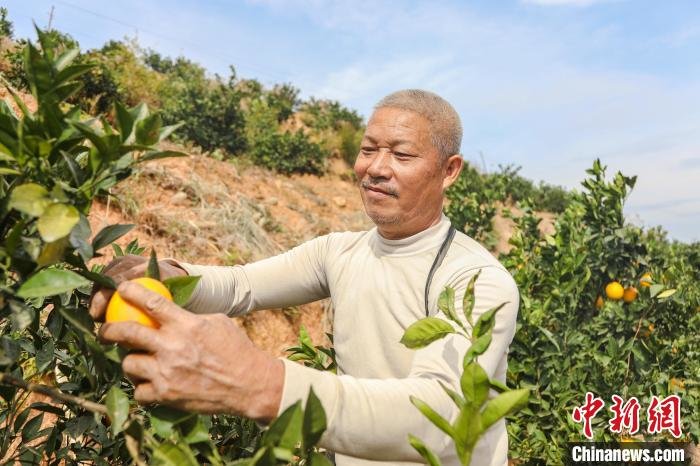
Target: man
[{"x": 201, "y": 361}]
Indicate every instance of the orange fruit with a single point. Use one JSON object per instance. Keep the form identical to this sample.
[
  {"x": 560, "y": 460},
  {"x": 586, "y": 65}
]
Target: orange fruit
[
  {"x": 599, "y": 302},
  {"x": 630, "y": 294},
  {"x": 645, "y": 281},
  {"x": 119, "y": 310},
  {"x": 614, "y": 291}
]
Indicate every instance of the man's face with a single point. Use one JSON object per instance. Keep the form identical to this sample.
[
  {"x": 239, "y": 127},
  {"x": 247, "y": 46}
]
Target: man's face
[{"x": 400, "y": 173}]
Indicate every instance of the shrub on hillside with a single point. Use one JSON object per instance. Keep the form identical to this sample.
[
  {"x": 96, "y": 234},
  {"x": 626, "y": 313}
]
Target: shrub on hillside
[
  {"x": 7, "y": 29},
  {"x": 471, "y": 204},
  {"x": 209, "y": 107},
  {"x": 286, "y": 152},
  {"x": 119, "y": 75},
  {"x": 543, "y": 197},
  {"x": 337, "y": 127}
]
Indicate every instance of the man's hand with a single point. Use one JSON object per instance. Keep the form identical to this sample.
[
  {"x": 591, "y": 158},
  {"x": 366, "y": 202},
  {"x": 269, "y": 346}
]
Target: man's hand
[
  {"x": 201, "y": 363},
  {"x": 122, "y": 269}
]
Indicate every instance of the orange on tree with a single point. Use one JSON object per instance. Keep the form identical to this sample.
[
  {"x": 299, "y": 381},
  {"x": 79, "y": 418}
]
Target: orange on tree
[
  {"x": 599, "y": 301},
  {"x": 645, "y": 280},
  {"x": 614, "y": 291},
  {"x": 630, "y": 294},
  {"x": 120, "y": 310}
]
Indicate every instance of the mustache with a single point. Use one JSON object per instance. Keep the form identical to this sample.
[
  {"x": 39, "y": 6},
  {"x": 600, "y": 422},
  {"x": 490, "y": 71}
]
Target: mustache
[{"x": 387, "y": 189}]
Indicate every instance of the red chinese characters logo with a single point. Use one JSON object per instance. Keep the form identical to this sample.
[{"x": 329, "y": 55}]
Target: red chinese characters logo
[
  {"x": 625, "y": 415},
  {"x": 662, "y": 415},
  {"x": 587, "y": 412},
  {"x": 665, "y": 415}
]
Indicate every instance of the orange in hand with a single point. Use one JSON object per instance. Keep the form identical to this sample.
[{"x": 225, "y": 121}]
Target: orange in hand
[{"x": 119, "y": 310}]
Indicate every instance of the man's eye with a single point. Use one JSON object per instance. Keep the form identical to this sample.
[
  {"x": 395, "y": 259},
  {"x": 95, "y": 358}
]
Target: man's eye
[
  {"x": 402, "y": 155},
  {"x": 368, "y": 150}
]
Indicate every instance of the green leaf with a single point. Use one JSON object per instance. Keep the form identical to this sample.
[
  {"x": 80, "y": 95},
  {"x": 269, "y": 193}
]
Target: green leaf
[
  {"x": 110, "y": 234},
  {"x": 503, "y": 405},
  {"x": 166, "y": 131},
  {"x": 475, "y": 384},
  {"x": 30, "y": 430},
  {"x": 468, "y": 300},
  {"x": 425, "y": 331},
  {"x": 431, "y": 458},
  {"x": 9, "y": 171},
  {"x": 479, "y": 347},
  {"x": 498, "y": 385},
  {"x": 655, "y": 289},
  {"x": 439, "y": 421},
  {"x": 196, "y": 430},
  {"x": 486, "y": 321},
  {"x": 446, "y": 303},
  {"x": 148, "y": 129},
  {"x": 125, "y": 121},
  {"x": 53, "y": 252},
  {"x": 153, "y": 270},
  {"x": 50, "y": 282},
  {"x": 160, "y": 154},
  {"x": 45, "y": 356},
  {"x": 79, "y": 238},
  {"x": 318, "y": 459},
  {"x": 29, "y": 198},
  {"x": 182, "y": 287},
  {"x": 285, "y": 431},
  {"x": 666, "y": 294},
  {"x": 117, "y": 408},
  {"x": 174, "y": 454},
  {"x": 456, "y": 397},
  {"x": 57, "y": 221},
  {"x": 314, "y": 423},
  {"x": 164, "y": 418}
]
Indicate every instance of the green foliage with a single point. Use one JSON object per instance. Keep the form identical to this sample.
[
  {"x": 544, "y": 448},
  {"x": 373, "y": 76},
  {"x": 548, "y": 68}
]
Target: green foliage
[
  {"x": 286, "y": 152},
  {"x": 328, "y": 114},
  {"x": 472, "y": 204},
  {"x": 339, "y": 128},
  {"x": 209, "y": 108},
  {"x": 318, "y": 357},
  {"x": 647, "y": 347},
  {"x": 476, "y": 411},
  {"x": 544, "y": 197},
  {"x": 7, "y": 29}
]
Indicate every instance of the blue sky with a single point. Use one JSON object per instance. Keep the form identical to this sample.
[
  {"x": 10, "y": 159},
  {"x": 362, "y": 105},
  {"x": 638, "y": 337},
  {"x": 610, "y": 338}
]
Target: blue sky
[{"x": 545, "y": 84}]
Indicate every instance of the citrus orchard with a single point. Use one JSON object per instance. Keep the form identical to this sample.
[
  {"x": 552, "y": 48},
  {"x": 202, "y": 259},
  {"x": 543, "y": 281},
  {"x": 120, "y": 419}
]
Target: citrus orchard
[{"x": 119, "y": 310}]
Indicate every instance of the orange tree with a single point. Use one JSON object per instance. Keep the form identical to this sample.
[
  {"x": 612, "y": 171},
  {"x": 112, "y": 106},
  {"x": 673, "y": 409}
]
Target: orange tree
[
  {"x": 566, "y": 346},
  {"x": 53, "y": 162}
]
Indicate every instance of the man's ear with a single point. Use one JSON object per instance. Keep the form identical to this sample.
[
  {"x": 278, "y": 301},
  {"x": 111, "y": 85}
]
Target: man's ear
[{"x": 453, "y": 167}]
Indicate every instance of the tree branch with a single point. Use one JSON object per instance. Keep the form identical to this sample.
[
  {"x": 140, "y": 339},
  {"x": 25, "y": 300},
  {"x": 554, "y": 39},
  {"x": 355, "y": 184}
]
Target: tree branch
[{"x": 53, "y": 393}]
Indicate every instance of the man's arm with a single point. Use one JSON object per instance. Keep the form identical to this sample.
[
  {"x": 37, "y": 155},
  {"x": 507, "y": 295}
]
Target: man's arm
[
  {"x": 371, "y": 418},
  {"x": 295, "y": 277}
]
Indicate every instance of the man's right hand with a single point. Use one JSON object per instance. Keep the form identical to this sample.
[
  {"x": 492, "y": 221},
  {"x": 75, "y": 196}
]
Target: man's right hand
[{"x": 126, "y": 268}]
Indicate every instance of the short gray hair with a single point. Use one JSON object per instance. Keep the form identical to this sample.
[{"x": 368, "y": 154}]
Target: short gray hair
[{"x": 446, "y": 127}]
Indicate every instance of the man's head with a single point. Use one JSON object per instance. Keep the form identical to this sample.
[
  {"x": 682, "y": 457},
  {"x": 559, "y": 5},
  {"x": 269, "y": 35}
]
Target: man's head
[{"x": 409, "y": 155}]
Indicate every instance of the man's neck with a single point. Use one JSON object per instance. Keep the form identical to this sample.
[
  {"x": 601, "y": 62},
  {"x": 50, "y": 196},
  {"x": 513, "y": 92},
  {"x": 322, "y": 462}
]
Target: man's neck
[{"x": 401, "y": 232}]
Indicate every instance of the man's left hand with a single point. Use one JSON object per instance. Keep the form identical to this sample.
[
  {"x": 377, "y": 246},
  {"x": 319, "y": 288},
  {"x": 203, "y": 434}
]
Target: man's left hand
[{"x": 201, "y": 363}]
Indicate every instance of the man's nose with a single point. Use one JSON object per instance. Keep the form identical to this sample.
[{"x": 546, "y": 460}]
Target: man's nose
[{"x": 380, "y": 167}]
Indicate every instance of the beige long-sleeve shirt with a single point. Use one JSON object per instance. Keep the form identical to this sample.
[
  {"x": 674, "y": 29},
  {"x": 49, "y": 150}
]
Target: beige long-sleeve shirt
[{"x": 377, "y": 290}]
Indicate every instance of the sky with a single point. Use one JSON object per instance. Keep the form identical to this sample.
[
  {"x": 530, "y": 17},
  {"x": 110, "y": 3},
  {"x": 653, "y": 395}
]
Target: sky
[{"x": 548, "y": 85}]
